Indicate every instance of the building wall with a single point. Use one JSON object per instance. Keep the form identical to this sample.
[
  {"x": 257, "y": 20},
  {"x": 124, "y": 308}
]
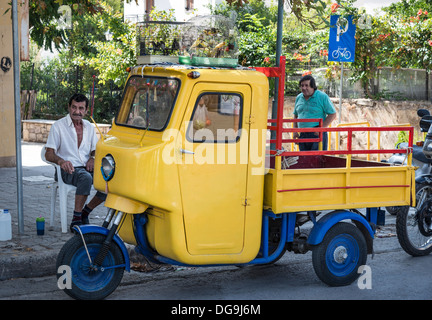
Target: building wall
[
  {"x": 135, "y": 12},
  {"x": 7, "y": 113}
]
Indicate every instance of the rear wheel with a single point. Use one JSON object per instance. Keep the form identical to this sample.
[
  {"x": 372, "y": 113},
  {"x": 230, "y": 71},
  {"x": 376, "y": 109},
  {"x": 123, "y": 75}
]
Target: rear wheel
[
  {"x": 337, "y": 258},
  {"x": 88, "y": 282},
  {"x": 394, "y": 211}
]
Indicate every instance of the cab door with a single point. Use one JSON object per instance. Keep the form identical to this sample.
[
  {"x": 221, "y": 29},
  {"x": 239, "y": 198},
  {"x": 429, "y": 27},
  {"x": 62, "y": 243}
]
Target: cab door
[{"x": 214, "y": 168}]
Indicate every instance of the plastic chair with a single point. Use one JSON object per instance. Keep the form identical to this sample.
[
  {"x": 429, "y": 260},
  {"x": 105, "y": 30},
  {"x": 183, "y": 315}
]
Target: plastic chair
[{"x": 63, "y": 190}]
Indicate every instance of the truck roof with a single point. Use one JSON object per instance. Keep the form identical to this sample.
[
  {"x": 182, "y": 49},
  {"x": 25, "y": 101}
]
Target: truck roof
[
  {"x": 214, "y": 74},
  {"x": 184, "y": 69}
]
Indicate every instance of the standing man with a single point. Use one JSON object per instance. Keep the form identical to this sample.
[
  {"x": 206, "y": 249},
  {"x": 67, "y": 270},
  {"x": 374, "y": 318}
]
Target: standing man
[
  {"x": 71, "y": 144},
  {"x": 312, "y": 104}
]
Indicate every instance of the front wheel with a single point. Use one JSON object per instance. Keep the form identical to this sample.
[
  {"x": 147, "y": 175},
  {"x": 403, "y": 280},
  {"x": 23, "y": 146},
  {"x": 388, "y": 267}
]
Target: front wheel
[
  {"x": 414, "y": 230},
  {"x": 414, "y": 227},
  {"x": 88, "y": 282},
  {"x": 337, "y": 258}
]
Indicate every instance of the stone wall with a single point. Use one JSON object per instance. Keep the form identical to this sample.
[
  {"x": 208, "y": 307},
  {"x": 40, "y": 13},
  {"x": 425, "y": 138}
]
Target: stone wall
[{"x": 37, "y": 130}]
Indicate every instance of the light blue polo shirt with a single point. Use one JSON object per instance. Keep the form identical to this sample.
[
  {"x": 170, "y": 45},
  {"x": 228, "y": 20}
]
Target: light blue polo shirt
[{"x": 318, "y": 106}]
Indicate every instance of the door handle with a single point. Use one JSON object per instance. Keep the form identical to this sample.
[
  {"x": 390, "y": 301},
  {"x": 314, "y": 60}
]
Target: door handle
[{"x": 186, "y": 151}]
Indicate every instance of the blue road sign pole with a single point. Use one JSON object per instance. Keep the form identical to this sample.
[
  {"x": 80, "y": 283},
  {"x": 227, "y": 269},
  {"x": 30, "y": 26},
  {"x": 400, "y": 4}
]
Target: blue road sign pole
[
  {"x": 341, "y": 46},
  {"x": 340, "y": 94}
]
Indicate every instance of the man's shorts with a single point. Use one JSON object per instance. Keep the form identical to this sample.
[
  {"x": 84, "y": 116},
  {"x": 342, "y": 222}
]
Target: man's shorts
[{"x": 83, "y": 180}]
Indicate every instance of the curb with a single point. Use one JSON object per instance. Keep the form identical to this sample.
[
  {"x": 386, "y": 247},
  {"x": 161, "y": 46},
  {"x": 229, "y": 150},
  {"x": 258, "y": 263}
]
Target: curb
[
  {"x": 39, "y": 264},
  {"x": 28, "y": 265}
]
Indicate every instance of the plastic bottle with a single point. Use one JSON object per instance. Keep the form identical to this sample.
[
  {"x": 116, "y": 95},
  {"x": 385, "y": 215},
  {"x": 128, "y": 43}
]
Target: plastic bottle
[
  {"x": 5, "y": 225},
  {"x": 40, "y": 226}
]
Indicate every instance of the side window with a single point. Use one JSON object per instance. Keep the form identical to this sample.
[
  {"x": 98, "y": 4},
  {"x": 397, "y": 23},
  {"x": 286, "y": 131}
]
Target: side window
[{"x": 216, "y": 118}]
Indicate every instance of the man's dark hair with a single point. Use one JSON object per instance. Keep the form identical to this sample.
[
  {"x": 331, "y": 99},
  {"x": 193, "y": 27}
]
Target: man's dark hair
[
  {"x": 312, "y": 81},
  {"x": 78, "y": 97}
]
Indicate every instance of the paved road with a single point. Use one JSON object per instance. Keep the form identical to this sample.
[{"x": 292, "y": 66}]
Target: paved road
[{"x": 394, "y": 275}]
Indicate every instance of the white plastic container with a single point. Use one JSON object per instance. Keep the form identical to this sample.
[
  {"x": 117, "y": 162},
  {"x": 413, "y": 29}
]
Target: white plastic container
[{"x": 5, "y": 225}]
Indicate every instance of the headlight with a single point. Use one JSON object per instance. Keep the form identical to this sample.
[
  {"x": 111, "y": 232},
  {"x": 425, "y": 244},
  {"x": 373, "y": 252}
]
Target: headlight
[
  {"x": 427, "y": 147},
  {"x": 108, "y": 167}
]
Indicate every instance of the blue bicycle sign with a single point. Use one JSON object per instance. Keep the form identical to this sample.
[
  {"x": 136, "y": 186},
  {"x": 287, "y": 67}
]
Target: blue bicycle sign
[
  {"x": 342, "y": 39},
  {"x": 342, "y": 53}
]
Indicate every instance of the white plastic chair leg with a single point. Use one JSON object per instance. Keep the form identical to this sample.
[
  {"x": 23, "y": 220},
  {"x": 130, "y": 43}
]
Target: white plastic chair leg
[
  {"x": 54, "y": 187},
  {"x": 63, "y": 194}
]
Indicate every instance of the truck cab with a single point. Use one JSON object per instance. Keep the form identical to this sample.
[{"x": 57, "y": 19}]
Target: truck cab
[{"x": 188, "y": 147}]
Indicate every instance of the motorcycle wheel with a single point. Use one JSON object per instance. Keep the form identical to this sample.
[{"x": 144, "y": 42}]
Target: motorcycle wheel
[
  {"x": 337, "y": 258},
  {"x": 414, "y": 227},
  {"x": 87, "y": 282}
]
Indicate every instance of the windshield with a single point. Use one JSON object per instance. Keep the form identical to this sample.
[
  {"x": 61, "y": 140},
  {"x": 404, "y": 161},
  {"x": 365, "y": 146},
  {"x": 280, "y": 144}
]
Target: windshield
[{"x": 148, "y": 102}]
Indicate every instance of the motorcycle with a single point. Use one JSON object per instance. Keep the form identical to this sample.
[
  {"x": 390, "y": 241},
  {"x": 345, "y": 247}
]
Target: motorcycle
[
  {"x": 414, "y": 225},
  {"x": 419, "y": 160}
]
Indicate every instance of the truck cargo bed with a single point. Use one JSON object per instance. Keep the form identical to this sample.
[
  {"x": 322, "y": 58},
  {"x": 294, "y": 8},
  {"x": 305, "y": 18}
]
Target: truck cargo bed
[{"x": 321, "y": 182}]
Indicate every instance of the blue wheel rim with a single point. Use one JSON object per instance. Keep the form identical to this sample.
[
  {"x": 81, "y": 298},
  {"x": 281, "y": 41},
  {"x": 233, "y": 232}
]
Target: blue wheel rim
[
  {"x": 342, "y": 255},
  {"x": 83, "y": 276}
]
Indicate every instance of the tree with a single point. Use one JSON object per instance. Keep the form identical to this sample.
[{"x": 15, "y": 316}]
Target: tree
[
  {"x": 256, "y": 42},
  {"x": 373, "y": 45},
  {"x": 111, "y": 58},
  {"x": 413, "y": 41},
  {"x": 44, "y": 18}
]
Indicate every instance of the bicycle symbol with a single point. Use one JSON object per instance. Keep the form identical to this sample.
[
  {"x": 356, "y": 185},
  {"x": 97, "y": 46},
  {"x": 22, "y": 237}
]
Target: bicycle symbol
[{"x": 343, "y": 52}]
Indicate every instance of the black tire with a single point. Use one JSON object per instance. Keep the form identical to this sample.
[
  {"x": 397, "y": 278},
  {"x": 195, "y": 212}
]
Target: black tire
[
  {"x": 275, "y": 231},
  {"x": 337, "y": 258},
  {"x": 410, "y": 232},
  {"x": 410, "y": 228},
  {"x": 394, "y": 211},
  {"x": 86, "y": 283}
]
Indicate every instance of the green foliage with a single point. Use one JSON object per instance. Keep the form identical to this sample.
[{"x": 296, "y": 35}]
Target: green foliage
[
  {"x": 267, "y": 14},
  {"x": 413, "y": 40},
  {"x": 370, "y": 52},
  {"x": 403, "y": 136},
  {"x": 256, "y": 41},
  {"x": 292, "y": 88},
  {"x": 44, "y": 17},
  {"x": 110, "y": 58},
  {"x": 400, "y": 39}
]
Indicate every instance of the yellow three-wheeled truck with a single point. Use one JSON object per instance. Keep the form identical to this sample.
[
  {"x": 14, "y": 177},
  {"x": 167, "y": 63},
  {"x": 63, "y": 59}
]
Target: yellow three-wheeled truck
[{"x": 196, "y": 174}]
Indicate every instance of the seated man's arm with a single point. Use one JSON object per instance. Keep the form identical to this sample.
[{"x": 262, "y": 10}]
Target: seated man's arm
[{"x": 52, "y": 157}]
